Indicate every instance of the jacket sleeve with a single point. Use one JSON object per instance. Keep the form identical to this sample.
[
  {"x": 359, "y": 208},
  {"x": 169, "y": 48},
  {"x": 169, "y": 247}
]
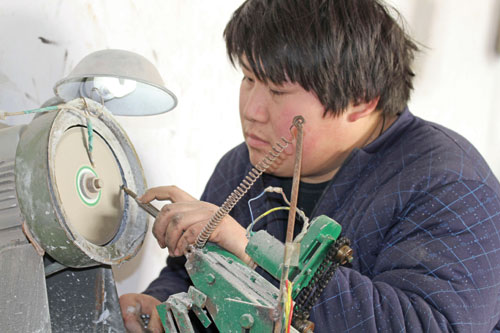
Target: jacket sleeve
[
  {"x": 173, "y": 279},
  {"x": 438, "y": 269}
]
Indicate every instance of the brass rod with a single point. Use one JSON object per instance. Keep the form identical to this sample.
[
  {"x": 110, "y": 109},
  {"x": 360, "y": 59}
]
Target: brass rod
[{"x": 298, "y": 121}]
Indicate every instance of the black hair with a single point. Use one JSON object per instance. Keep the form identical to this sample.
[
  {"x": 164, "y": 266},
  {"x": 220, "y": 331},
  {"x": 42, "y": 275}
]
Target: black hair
[{"x": 345, "y": 51}]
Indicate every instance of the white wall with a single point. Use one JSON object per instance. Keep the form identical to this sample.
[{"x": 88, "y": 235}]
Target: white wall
[
  {"x": 458, "y": 71},
  {"x": 184, "y": 41},
  {"x": 458, "y": 78}
]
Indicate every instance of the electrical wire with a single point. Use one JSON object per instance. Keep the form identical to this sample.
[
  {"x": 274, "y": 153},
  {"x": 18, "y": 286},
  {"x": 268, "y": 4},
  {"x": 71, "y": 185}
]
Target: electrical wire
[
  {"x": 4, "y": 114},
  {"x": 251, "y": 212},
  {"x": 279, "y": 190},
  {"x": 288, "y": 306},
  {"x": 250, "y": 227},
  {"x": 86, "y": 112}
]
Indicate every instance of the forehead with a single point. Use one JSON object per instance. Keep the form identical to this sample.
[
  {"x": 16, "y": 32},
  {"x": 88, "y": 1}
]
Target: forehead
[{"x": 262, "y": 75}]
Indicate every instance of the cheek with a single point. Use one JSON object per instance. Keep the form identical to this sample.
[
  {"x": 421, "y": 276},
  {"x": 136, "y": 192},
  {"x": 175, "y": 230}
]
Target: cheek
[
  {"x": 281, "y": 129},
  {"x": 242, "y": 101},
  {"x": 283, "y": 124}
]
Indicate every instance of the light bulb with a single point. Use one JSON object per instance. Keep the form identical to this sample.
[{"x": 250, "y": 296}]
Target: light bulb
[{"x": 113, "y": 87}]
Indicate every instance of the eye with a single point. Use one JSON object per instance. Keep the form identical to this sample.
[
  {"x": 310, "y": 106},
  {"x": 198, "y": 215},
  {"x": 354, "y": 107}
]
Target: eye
[
  {"x": 276, "y": 92},
  {"x": 248, "y": 79}
]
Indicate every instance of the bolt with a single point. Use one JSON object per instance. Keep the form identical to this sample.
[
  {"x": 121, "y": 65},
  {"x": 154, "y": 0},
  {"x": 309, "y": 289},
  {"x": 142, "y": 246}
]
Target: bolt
[
  {"x": 98, "y": 184},
  {"x": 344, "y": 255},
  {"x": 211, "y": 279},
  {"x": 246, "y": 320}
]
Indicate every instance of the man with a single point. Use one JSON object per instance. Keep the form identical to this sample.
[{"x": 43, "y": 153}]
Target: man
[{"x": 417, "y": 201}]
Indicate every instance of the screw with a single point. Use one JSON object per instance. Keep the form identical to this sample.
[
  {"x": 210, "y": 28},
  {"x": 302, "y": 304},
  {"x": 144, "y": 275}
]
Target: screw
[{"x": 246, "y": 320}]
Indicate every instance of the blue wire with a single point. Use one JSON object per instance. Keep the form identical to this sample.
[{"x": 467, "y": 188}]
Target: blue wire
[
  {"x": 251, "y": 213},
  {"x": 90, "y": 132},
  {"x": 48, "y": 108}
]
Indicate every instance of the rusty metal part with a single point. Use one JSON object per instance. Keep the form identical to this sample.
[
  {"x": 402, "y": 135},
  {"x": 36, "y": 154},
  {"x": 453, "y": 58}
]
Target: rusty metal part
[
  {"x": 298, "y": 121},
  {"x": 149, "y": 208},
  {"x": 29, "y": 236},
  {"x": 344, "y": 255},
  {"x": 305, "y": 326}
]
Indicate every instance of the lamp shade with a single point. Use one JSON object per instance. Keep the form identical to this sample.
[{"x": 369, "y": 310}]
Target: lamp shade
[{"x": 125, "y": 82}]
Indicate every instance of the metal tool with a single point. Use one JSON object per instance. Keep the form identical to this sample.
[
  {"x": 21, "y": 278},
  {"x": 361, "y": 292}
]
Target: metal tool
[{"x": 149, "y": 208}]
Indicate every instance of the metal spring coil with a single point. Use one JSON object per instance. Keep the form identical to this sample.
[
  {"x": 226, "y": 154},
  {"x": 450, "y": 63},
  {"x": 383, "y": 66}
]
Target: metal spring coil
[{"x": 240, "y": 191}]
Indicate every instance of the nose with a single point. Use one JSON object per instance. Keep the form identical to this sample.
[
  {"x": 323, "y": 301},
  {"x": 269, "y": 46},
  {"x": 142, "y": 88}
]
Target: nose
[{"x": 254, "y": 102}]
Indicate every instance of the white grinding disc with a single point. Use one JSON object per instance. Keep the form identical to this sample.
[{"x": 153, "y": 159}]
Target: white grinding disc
[{"x": 96, "y": 217}]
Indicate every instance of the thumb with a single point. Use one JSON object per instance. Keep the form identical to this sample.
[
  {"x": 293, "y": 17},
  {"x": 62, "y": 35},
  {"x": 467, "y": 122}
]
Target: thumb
[{"x": 155, "y": 324}]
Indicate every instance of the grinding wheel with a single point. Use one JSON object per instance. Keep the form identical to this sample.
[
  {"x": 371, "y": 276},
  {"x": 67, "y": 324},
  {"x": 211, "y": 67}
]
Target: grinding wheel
[
  {"x": 74, "y": 208},
  {"x": 90, "y": 195}
]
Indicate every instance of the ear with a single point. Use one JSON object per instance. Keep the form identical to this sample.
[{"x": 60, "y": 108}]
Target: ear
[{"x": 362, "y": 110}]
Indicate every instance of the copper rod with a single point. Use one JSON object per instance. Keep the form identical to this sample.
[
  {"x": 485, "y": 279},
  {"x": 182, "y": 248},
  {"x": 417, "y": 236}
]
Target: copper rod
[{"x": 298, "y": 121}]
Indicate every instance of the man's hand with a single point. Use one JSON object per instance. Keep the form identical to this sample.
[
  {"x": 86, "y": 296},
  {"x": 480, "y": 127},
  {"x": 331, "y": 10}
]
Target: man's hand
[
  {"x": 133, "y": 305},
  {"x": 178, "y": 224}
]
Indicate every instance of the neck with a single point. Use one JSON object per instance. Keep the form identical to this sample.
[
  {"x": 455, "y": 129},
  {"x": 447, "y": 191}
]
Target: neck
[
  {"x": 379, "y": 124},
  {"x": 372, "y": 128}
]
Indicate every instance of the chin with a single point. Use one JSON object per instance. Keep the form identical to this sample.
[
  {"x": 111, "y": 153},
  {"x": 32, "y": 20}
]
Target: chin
[{"x": 278, "y": 172}]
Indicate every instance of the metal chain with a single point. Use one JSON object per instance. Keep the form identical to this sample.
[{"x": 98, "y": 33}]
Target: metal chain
[{"x": 309, "y": 295}]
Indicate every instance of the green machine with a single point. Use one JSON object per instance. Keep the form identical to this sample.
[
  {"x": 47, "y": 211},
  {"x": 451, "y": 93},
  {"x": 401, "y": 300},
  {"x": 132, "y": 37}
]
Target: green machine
[{"x": 238, "y": 299}]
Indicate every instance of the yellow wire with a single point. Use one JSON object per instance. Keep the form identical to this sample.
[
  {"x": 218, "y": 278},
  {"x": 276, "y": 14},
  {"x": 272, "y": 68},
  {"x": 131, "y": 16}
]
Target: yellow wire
[
  {"x": 270, "y": 211},
  {"x": 288, "y": 305}
]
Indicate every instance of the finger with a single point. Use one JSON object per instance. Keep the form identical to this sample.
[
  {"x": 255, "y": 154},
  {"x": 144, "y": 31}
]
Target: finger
[
  {"x": 149, "y": 304},
  {"x": 160, "y": 225},
  {"x": 188, "y": 237},
  {"x": 172, "y": 193},
  {"x": 155, "y": 324},
  {"x": 189, "y": 224},
  {"x": 131, "y": 317},
  {"x": 132, "y": 324},
  {"x": 170, "y": 213},
  {"x": 175, "y": 218}
]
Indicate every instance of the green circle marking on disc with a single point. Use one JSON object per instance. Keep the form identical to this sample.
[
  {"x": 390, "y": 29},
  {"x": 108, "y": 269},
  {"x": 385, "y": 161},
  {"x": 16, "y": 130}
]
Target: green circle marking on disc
[{"x": 81, "y": 172}]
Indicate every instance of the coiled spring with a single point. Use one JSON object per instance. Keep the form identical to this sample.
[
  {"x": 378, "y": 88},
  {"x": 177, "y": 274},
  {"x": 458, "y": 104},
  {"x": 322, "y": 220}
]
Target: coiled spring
[{"x": 240, "y": 191}]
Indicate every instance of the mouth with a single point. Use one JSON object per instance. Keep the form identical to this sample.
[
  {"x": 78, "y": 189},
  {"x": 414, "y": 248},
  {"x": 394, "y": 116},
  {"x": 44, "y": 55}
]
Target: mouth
[{"x": 255, "y": 141}]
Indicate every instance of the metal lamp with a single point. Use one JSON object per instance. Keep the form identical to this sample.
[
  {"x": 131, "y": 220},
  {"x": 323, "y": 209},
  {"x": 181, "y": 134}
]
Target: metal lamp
[{"x": 126, "y": 83}]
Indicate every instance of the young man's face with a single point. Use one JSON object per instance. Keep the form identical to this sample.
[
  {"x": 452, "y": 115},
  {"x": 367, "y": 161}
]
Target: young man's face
[{"x": 266, "y": 113}]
